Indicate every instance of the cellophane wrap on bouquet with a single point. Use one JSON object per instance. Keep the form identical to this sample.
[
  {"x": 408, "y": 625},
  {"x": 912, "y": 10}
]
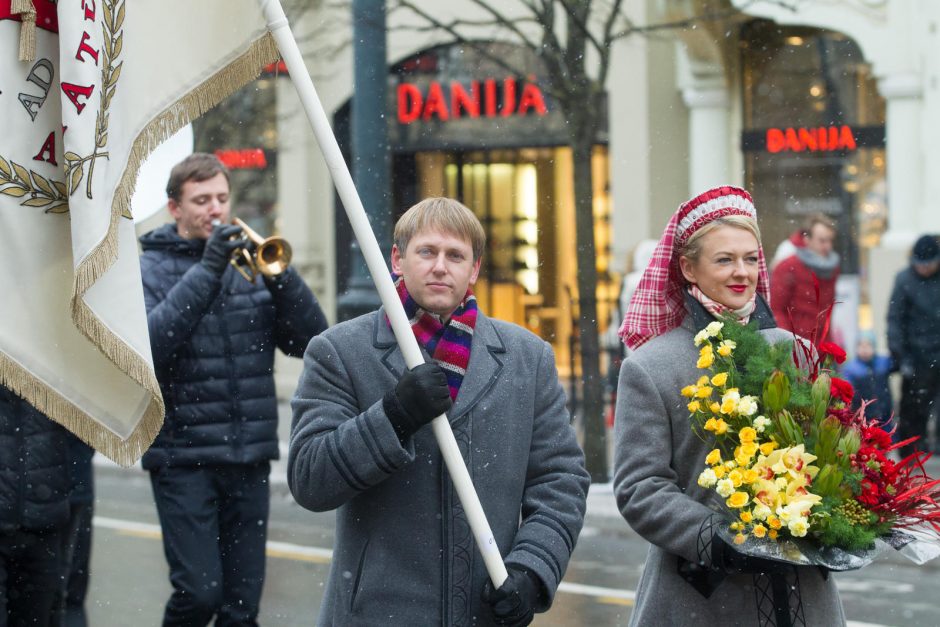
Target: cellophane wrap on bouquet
[{"x": 803, "y": 478}]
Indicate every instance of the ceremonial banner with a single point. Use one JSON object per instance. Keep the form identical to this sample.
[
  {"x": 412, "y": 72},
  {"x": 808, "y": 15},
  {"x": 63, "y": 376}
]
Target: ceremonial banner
[{"x": 88, "y": 88}]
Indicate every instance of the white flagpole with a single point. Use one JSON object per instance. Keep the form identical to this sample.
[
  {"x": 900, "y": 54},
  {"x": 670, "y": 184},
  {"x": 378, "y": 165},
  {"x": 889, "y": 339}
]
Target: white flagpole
[{"x": 279, "y": 27}]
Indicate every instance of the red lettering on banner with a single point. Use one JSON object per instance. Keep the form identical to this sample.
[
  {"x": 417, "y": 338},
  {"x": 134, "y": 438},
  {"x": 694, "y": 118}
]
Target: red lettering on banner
[
  {"x": 435, "y": 104},
  {"x": 509, "y": 97},
  {"x": 820, "y": 139},
  {"x": 460, "y": 99},
  {"x": 74, "y": 92},
  {"x": 48, "y": 147},
  {"x": 532, "y": 99},
  {"x": 89, "y": 6},
  {"x": 84, "y": 47},
  {"x": 489, "y": 102},
  {"x": 409, "y": 103},
  {"x": 846, "y": 139},
  {"x": 489, "y": 87},
  {"x": 248, "y": 158}
]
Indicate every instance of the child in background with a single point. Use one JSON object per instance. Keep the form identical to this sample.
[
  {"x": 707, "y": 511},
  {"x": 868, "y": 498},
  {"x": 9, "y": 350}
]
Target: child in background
[{"x": 868, "y": 374}]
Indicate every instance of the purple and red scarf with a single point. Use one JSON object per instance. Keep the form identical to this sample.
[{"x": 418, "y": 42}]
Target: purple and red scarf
[{"x": 447, "y": 344}]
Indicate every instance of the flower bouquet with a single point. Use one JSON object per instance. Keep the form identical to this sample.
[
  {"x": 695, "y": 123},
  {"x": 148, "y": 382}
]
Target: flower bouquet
[{"x": 807, "y": 480}]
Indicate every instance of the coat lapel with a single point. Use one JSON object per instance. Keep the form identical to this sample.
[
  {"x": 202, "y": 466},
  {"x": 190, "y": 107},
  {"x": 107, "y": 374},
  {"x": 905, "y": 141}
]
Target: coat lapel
[
  {"x": 482, "y": 372},
  {"x": 484, "y": 368}
]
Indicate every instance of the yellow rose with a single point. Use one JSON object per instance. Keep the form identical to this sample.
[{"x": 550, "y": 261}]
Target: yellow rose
[
  {"x": 725, "y": 348},
  {"x": 772, "y": 534},
  {"x": 728, "y": 406},
  {"x": 693, "y": 407},
  {"x": 740, "y": 538},
  {"x": 704, "y": 392},
  {"x": 688, "y": 391},
  {"x": 746, "y": 517},
  {"x": 720, "y": 470},
  {"x": 714, "y": 407},
  {"x": 721, "y": 427},
  {"x": 747, "y": 434},
  {"x": 736, "y": 526},
  {"x": 705, "y": 361},
  {"x": 711, "y": 424},
  {"x": 759, "y": 531},
  {"x": 736, "y": 477},
  {"x": 702, "y": 380},
  {"x": 749, "y": 449},
  {"x": 738, "y": 499},
  {"x": 768, "y": 447},
  {"x": 750, "y": 476},
  {"x": 720, "y": 379},
  {"x": 713, "y": 458},
  {"x": 774, "y": 522}
]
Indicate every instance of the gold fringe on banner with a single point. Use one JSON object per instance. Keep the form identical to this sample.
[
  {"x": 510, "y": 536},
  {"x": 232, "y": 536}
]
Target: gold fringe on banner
[
  {"x": 27, "y": 13},
  {"x": 242, "y": 70}
]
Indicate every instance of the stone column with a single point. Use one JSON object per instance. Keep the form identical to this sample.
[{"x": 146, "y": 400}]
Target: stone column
[
  {"x": 708, "y": 135},
  {"x": 904, "y": 153}
]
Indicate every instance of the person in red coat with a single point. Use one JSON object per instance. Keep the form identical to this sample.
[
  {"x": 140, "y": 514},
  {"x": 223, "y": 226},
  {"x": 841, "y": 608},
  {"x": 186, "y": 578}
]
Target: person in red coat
[{"x": 794, "y": 281}]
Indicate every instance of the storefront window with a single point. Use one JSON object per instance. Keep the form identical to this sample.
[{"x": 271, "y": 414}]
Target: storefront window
[
  {"x": 242, "y": 131},
  {"x": 814, "y": 130}
]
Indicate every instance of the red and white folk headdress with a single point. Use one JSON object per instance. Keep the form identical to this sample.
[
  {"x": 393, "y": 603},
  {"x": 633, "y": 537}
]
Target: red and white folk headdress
[{"x": 657, "y": 305}]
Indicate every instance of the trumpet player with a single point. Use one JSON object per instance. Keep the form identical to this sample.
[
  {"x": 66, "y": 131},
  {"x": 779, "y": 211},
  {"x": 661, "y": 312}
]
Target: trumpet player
[{"x": 213, "y": 336}]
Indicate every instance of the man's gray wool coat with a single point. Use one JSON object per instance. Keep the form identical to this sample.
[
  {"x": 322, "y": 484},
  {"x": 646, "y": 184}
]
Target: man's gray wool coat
[
  {"x": 404, "y": 553},
  {"x": 657, "y": 462}
]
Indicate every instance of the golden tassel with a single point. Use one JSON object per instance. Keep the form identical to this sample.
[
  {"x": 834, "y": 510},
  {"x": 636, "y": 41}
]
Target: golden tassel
[{"x": 27, "y": 13}]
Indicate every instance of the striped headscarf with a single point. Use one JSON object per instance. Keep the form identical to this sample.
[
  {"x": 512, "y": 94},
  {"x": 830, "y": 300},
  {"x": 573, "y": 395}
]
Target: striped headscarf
[
  {"x": 657, "y": 305},
  {"x": 447, "y": 344}
]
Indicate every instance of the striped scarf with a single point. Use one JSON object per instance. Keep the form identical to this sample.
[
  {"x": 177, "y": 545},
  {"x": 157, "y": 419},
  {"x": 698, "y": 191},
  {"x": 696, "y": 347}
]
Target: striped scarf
[
  {"x": 448, "y": 345},
  {"x": 742, "y": 315}
]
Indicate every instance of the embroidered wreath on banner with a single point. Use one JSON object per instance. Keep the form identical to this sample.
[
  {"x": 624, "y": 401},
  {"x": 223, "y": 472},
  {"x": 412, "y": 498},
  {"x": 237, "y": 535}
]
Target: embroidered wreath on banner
[
  {"x": 113, "y": 39},
  {"x": 41, "y": 192}
]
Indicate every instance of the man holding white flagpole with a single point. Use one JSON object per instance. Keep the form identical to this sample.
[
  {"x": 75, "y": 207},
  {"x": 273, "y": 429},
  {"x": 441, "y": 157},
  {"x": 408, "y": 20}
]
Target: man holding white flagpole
[
  {"x": 361, "y": 444},
  {"x": 213, "y": 335}
]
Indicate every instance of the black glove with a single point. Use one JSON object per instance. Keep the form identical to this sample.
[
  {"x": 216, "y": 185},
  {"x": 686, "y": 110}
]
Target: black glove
[
  {"x": 421, "y": 395},
  {"x": 220, "y": 246},
  {"x": 513, "y": 603},
  {"x": 728, "y": 559}
]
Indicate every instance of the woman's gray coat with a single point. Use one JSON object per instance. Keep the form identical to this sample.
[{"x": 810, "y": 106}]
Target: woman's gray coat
[
  {"x": 404, "y": 553},
  {"x": 658, "y": 460}
]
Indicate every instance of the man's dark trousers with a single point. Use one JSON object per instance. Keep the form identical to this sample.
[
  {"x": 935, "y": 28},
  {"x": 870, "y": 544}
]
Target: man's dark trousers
[
  {"x": 30, "y": 573},
  {"x": 214, "y": 520}
]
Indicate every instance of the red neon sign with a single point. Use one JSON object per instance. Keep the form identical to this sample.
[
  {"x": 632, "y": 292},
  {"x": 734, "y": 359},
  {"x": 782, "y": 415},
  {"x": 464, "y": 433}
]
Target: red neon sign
[
  {"x": 484, "y": 98},
  {"x": 821, "y": 139},
  {"x": 243, "y": 159}
]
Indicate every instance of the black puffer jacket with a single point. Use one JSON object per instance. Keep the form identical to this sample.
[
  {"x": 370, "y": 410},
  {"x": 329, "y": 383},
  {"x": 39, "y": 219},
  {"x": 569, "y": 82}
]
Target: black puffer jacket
[
  {"x": 34, "y": 476},
  {"x": 914, "y": 319},
  {"x": 213, "y": 344}
]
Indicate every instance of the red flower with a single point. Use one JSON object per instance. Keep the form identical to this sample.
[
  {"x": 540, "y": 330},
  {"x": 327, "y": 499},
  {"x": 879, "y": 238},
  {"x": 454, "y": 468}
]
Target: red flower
[
  {"x": 877, "y": 437},
  {"x": 841, "y": 389},
  {"x": 833, "y": 350}
]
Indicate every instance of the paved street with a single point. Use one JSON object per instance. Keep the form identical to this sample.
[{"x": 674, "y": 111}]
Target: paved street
[{"x": 129, "y": 578}]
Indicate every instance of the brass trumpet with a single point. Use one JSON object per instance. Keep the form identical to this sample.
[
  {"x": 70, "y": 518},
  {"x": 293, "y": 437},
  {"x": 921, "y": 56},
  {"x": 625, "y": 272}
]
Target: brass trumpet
[{"x": 270, "y": 257}]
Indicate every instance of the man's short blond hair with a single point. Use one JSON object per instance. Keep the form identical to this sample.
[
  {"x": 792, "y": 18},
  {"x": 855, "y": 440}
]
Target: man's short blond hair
[{"x": 442, "y": 214}]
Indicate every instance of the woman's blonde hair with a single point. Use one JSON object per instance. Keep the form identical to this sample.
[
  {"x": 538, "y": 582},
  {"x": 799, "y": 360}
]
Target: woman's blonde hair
[
  {"x": 692, "y": 249},
  {"x": 444, "y": 214}
]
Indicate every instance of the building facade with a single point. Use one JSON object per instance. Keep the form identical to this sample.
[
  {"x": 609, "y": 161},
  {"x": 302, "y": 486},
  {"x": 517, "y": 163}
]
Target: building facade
[{"x": 813, "y": 106}]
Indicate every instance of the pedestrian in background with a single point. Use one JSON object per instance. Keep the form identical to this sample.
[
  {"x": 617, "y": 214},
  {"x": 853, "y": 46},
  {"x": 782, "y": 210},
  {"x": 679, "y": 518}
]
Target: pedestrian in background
[
  {"x": 803, "y": 286},
  {"x": 868, "y": 373},
  {"x": 914, "y": 338},
  {"x": 34, "y": 513},
  {"x": 361, "y": 444},
  {"x": 708, "y": 265},
  {"x": 213, "y": 336}
]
